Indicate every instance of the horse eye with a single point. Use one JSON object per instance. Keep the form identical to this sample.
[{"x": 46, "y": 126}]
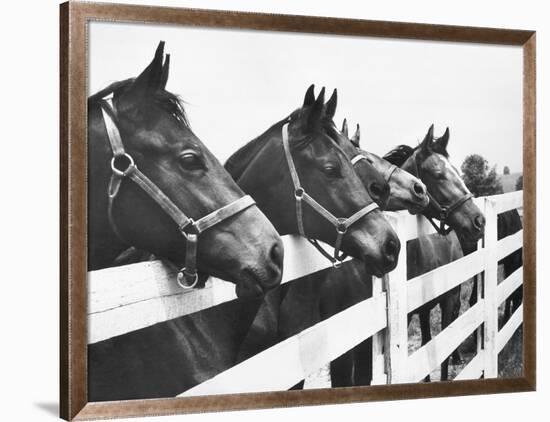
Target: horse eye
[
  {"x": 331, "y": 171},
  {"x": 190, "y": 161}
]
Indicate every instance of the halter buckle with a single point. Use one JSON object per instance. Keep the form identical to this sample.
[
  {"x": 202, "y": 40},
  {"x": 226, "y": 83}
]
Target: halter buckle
[
  {"x": 341, "y": 226},
  {"x": 183, "y": 277},
  {"x": 130, "y": 164},
  {"x": 189, "y": 228},
  {"x": 337, "y": 264}
]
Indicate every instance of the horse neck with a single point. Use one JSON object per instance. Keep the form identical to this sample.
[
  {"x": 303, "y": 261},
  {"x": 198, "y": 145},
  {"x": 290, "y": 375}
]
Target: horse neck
[
  {"x": 431, "y": 251},
  {"x": 409, "y": 165},
  {"x": 103, "y": 244},
  {"x": 267, "y": 180}
]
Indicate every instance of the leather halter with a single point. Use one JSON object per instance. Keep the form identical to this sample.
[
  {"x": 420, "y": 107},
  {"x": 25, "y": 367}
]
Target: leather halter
[
  {"x": 340, "y": 224},
  {"x": 443, "y": 212},
  {"x": 387, "y": 174},
  {"x": 190, "y": 229}
]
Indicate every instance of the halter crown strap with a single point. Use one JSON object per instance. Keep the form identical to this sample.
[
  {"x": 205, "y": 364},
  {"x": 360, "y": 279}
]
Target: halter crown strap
[
  {"x": 298, "y": 190},
  {"x": 357, "y": 158},
  {"x": 341, "y": 224},
  {"x": 187, "y": 277},
  {"x": 387, "y": 174}
]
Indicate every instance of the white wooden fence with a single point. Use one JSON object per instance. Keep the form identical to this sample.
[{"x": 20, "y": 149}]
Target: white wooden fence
[{"x": 128, "y": 298}]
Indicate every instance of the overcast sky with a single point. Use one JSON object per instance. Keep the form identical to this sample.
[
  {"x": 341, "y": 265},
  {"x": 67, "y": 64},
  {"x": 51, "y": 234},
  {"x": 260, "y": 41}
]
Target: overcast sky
[{"x": 238, "y": 83}]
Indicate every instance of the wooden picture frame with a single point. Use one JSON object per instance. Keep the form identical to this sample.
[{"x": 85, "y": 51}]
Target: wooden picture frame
[{"x": 74, "y": 19}]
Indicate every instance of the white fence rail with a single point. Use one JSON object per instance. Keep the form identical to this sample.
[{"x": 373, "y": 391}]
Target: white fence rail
[{"x": 146, "y": 294}]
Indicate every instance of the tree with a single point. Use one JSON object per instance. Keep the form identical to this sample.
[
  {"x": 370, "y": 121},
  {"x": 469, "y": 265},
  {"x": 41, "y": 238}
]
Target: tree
[
  {"x": 519, "y": 183},
  {"x": 506, "y": 170},
  {"x": 478, "y": 177}
]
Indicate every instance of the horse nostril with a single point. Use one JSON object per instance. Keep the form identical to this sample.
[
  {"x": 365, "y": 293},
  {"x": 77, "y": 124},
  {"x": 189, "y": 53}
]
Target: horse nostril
[
  {"x": 419, "y": 189},
  {"x": 479, "y": 222},
  {"x": 391, "y": 249},
  {"x": 276, "y": 254},
  {"x": 376, "y": 191}
]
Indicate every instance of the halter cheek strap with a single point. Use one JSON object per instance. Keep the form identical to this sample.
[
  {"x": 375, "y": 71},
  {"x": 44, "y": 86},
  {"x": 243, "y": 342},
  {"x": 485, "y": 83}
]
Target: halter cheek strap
[
  {"x": 340, "y": 224},
  {"x": 187, "y": 276}
]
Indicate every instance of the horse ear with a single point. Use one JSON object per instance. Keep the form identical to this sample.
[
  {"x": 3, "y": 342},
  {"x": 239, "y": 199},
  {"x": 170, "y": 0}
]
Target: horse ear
[
  {"x": 316, "y": 111},
  {"x": 309, "y": 98},
  {"x": 331, "y": 105},
  {"x": 165, "y": 72},
  {"x": 149, "y": 80},
  {"x": 345, "y": 128},
  {"x": 426, "y": 144},
  {"x": 357, "y": 137},
  {"x": 441, "y": 143}
]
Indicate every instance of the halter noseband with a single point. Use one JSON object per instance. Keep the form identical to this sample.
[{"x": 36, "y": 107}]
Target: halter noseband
[
  {"x": 187, "y": 276},
  {"x": 443, "y": 212},
  {"x": 340, "y": 224}
]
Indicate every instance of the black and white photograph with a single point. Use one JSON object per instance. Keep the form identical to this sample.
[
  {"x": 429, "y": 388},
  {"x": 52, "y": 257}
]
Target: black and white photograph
[{"x": 272, "y": 211}]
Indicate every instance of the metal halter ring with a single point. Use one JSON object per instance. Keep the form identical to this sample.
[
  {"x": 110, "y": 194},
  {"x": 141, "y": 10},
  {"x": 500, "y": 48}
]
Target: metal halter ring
[
  {"x": 299, "y": 193},
  {"x": 189, "y": 228},
  {"x": 181, "y": 276},
  {"x": 122, "y": 173},
  {"x": 341, "y": 226},
  {"x": 337, "y": 264}
]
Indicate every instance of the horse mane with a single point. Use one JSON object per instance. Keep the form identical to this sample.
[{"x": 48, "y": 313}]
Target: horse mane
[
  {"x": 167, "y": 101},
  {"x": 399, "y": 155}
]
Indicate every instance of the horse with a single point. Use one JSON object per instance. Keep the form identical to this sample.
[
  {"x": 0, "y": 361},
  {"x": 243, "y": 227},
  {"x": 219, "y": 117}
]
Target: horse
[
  {"x": 178, "y": 183},
  {"x": 423, "y": 254},
  {"x": 160, "y": 208},
  {"x": 407, "y": 192},
  {"x": 321, "y": 295},
  {"x": 325, "y": 169},
  {"x": 450, "y": 203},
  {"x": 282, "y": 175},
  {"x": 353, "y": 283}
]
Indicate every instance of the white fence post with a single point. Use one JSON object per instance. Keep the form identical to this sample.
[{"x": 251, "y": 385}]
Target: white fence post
[
  {"x": 490, "y": 354},
  {"x": 396, "y": 290},
  {"x": 478, "y": 284},
  {"x": 378, "y": 358}
]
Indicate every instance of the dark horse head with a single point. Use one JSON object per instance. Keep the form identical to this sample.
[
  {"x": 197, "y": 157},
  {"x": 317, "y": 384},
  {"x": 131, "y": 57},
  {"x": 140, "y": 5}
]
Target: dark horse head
[
  {"x": 430, "y": 162},
  {"x": 244, "y": 248},
  {"x": 407, "y": 192},
  {"x": 373, "y": 180},
  {"x": 326, "y": 174}
]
